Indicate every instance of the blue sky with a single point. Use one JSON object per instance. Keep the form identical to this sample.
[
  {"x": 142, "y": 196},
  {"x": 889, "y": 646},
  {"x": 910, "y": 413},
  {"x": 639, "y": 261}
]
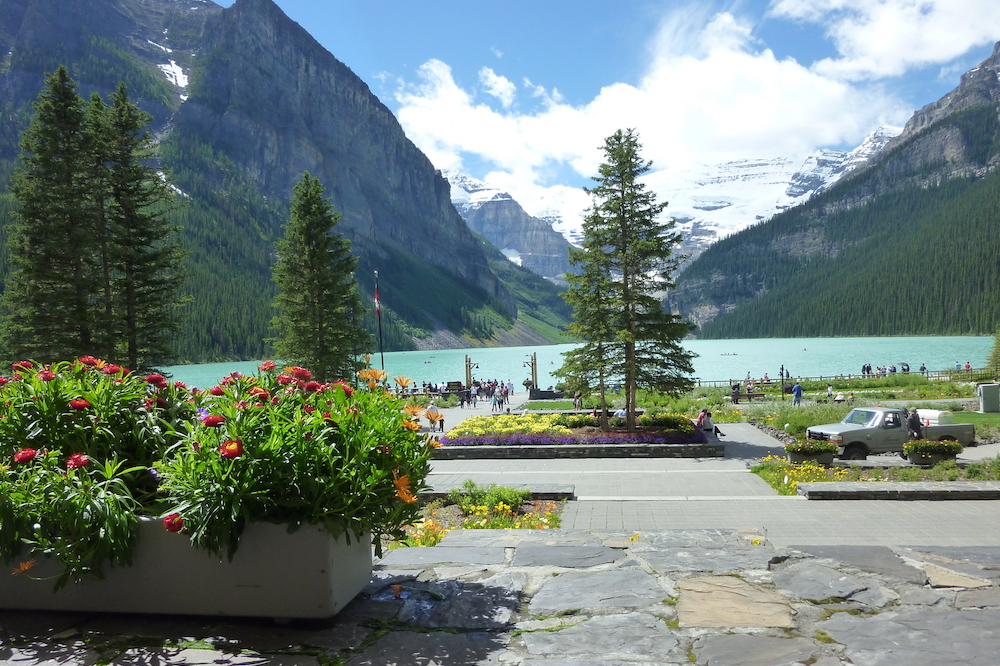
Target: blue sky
[{"x": 521, "y": 93}]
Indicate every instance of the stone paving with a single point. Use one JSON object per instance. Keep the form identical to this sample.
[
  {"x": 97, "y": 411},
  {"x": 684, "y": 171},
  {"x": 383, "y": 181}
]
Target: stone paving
[{"x": 588, "y": 598}]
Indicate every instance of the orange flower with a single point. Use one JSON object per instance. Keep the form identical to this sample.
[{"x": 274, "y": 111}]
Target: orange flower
[
  {"x": 411, "y": 425},
  {"x": 436, "y": 444},
  {"x": 402, "y": 484},
  {"x": 397, "y": 590},
  {"x": 23, "y": 567},
  {"x": 413, "y": 410}
]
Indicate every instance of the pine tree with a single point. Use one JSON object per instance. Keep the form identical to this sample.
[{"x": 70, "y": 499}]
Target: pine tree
[
  {"x": 47, "y": 309},
  {"x": 319, "y": 324},
  {"x": 145, "y": 254},
  {"x": 96, "y": 267},
  {"x": 624, "y": 267}
]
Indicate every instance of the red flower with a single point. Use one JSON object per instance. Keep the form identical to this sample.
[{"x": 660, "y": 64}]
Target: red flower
[
  {"x": 159, "y": 381},
  {"x": 89, "y": 360},
  {"x": 309, "y": 409},
  {"x": 312, "y": 387},
  {"x": 46, "y": 375},
  {"x": 3, "y": 380},
  {"x": 111, "y": 369},
  {"x": 180, "y": 385},
  {"x": 259, "y": 392},
  {"x": 26, "y": 365},
  {"x": 217, "y": 390},
  {"x": 79, "y": 403},
  {"x": 267, "y": 366},
  {"x": 76, "y": 461},
  {"x": 232, "y": 448},
  {"x": 348, "y": 391},
  {"x": 284, "y": 379},
  {"x": 213, "y": 420},
  {"x": 173, "y": 522},
  {"x": 301, "y": 373},
  {"x": 242, "y": 404},
  {"x": 25, "y": 455}
]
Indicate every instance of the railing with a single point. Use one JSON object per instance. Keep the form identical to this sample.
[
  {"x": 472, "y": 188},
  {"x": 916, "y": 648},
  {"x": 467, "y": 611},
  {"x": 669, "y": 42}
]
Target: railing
[{"x": 979, "y": 375}]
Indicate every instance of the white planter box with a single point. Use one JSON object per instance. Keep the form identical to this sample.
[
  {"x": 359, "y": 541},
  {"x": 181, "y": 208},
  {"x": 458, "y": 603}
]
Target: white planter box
[{"x": 273, "y": 574}]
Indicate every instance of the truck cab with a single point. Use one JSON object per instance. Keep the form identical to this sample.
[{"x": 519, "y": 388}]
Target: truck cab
[{"x": 872, "y": 430}]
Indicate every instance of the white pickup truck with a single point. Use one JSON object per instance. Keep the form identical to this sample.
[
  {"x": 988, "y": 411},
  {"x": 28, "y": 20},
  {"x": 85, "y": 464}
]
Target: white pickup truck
[{"x": 869, "y": 430}]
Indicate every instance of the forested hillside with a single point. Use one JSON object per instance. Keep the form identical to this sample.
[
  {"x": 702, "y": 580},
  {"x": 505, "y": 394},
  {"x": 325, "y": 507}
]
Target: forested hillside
[{"x": 907, "y": 245}]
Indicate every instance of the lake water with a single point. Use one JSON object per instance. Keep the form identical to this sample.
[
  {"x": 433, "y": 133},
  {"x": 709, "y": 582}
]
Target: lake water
[{"x": 718, "y": 360}]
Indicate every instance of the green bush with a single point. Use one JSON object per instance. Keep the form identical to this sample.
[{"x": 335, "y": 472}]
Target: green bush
[{"x": 472, "y": 494}]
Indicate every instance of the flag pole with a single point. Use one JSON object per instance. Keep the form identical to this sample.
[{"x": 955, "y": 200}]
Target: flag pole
[{"x": 378, "y": 315}]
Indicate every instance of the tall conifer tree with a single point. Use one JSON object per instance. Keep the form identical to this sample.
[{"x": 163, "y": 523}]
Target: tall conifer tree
[
  {"x": 145, "y": 254},
  {"x": 96, "y": 267},
  {"x": 624, "y": 267},
  {"x": 47, "y": 301},
  {"x": 319, "y": 312}
]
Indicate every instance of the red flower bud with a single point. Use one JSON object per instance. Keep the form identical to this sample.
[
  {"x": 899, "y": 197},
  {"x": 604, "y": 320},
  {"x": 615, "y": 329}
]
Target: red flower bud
[
  {"x": 76, "y": 461},
  {"x": 213, "y": 420},
  {"x": 46, "y": 375},
  {"x": 79, "y": 403},
  {"x": 173, "y": 522}
]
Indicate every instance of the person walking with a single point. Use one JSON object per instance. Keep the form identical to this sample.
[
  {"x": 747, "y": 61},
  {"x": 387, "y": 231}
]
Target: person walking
[{"x": 796, "y": 395}]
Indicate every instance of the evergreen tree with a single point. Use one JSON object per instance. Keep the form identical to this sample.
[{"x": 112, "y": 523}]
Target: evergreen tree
[
  {"x": 319, "y": 321},
  {"x": 47, "y": 300},
  {"x": 145, "y": 254},
  {"x": 95, "y": 264},
  {"x": 626, "y": 262}
]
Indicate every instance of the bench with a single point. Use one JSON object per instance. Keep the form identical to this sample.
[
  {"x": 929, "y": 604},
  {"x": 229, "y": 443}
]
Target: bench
[{"x": 749, "y": 397}]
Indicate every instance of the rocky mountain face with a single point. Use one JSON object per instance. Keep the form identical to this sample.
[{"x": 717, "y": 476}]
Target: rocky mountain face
[
  {"x": 525, "y": 240},
  {"x": 946, "y": 148},
  {"x": 244, "y": 100}
]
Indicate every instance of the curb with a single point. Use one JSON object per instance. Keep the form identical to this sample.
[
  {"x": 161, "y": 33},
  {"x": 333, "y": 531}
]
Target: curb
[
  {"x": 914, "y": 490},
  {"x": 539, "y": 491}
]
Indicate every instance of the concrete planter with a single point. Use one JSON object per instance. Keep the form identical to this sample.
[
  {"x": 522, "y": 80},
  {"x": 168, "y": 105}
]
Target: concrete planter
[
  {"x": 274, "y": 574},
  {"x": 930, "y": 459},
  {"x": 823, "y": 458}
]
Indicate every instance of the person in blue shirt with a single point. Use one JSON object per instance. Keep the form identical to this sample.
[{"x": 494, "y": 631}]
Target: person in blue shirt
[{"x": 796, "y": 394}]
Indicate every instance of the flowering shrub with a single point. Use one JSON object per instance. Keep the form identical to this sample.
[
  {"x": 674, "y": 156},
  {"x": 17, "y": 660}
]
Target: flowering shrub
[
  {"x": 267, "y": 450},
  {"x": 86, "y": 448},
  {"x": 931, "y": 447},
  {"x": 811, "y": 446}
]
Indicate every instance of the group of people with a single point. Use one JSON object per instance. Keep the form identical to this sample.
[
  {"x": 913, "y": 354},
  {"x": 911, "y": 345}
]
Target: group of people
[
  {"x": 885, "y": 370},
  {"x": 706, "y": 423}
]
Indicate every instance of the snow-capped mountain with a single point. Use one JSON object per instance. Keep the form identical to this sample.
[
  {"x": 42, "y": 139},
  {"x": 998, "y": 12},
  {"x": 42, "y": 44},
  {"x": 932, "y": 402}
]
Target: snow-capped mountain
[
  {"x": 709, "y": 201},
  {"x": 714, "y": 200}
]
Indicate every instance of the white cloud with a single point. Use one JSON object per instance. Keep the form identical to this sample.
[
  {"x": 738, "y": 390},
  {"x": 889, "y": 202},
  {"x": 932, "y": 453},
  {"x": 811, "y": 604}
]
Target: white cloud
[
  {"x": 497, "y": 52},
  {"x": 882, "y": 38},
  {"x": 498, "y": 86},
  {"x": 712, "y": 100}
]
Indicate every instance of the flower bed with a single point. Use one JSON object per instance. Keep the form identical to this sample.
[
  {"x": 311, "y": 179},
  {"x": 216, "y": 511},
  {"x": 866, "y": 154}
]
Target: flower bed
[
  {"x": 558, "y": 429},
  {"x": 87, "y": 448},
  {"x": 534, "y": 439}
]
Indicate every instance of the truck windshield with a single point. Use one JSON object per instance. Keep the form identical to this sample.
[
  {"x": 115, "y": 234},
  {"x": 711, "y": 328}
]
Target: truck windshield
[{"x": 860, "y": 417}]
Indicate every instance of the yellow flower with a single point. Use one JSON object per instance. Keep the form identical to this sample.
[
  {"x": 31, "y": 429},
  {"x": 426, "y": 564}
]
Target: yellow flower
[{"x": 402, "y": 381}]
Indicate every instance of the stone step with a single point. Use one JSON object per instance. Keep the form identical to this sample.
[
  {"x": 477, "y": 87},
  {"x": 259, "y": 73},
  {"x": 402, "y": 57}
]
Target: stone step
[{"x": 913, "y": 490}]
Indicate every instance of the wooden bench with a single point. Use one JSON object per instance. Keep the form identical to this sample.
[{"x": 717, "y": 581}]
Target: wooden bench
[{"x": 749, "y": 397}]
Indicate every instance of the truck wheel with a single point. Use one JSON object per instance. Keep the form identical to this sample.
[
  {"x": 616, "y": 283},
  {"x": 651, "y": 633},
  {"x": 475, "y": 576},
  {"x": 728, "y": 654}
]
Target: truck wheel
[{"x": 854, "y": 452}]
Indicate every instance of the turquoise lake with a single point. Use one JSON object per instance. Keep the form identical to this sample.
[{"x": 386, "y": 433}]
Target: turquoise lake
[{"x": 718, "y": 360}]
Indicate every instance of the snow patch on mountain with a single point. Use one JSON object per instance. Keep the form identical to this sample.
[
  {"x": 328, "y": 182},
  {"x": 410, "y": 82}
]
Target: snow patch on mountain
[
  {"x": 174, "y": 74},
  {"x": 470, "y": 193}
]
